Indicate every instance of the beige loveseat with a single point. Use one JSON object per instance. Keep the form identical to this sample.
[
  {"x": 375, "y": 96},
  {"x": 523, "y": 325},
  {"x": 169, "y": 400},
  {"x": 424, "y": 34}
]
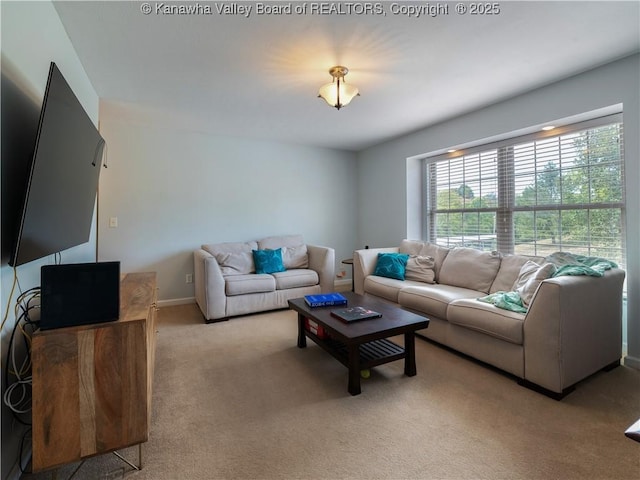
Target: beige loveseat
[
  {"x": 227, "y": 285},
  {"x": 571, "y": 329}
]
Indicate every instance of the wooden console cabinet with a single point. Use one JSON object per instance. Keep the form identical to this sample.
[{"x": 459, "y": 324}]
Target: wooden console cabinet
[{"x": 92, "y": 383}]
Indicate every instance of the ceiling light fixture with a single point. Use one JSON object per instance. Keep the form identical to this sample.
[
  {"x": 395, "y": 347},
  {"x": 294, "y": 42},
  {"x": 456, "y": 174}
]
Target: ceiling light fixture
[
  {"x": 548, "y": 127},
  {"x": 338, "y": 93}
]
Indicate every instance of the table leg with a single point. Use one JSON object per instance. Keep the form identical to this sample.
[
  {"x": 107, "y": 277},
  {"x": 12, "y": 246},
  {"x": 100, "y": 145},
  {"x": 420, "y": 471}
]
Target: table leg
[
  {"x": 302, "y": 338},
  {"x": 410, "y": 352},
  {"x": 354, "y": 370}
]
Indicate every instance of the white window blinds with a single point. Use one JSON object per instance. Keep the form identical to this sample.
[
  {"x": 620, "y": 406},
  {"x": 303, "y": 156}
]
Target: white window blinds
[{"x": 534, "y": 195}]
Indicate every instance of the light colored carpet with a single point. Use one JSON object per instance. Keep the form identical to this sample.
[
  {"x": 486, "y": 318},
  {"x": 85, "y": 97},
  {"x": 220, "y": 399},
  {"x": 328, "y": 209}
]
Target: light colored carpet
[{"x": 239, "y": 400}]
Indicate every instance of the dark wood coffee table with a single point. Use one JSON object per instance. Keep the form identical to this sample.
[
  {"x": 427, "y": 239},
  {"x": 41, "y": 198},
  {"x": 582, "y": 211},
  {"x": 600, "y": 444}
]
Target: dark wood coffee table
[{"x": 363, "y": 344}]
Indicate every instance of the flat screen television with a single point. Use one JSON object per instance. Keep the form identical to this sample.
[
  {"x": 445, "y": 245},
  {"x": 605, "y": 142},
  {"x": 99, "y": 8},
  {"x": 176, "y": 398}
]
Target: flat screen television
[{"x": 61, "y": 189}]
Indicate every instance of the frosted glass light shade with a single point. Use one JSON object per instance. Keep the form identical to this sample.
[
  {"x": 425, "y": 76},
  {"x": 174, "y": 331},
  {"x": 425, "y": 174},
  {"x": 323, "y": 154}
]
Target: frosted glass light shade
[{"x": 338, "y": 94}]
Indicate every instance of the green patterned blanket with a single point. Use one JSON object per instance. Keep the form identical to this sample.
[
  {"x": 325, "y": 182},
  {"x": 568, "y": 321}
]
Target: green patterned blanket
[{"x": 567, "y": 264}]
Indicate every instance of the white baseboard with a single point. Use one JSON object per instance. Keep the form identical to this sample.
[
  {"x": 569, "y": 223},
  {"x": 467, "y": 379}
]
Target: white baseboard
[
  {"x": 345, "y": 282},
  {"x": 176, "y": 301}
]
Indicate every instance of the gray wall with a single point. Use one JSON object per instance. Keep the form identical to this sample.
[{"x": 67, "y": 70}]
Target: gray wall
[
  {"x": 32, "y": 37},
  {"x": 388, "y": 175},
  {"x": 174, "y": 190}
]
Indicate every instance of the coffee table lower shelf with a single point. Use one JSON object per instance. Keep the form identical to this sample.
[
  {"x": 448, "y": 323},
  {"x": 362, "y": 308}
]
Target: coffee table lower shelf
[
  {"x": 362, "y": 356},
  {"x": 372, "y": 354}
]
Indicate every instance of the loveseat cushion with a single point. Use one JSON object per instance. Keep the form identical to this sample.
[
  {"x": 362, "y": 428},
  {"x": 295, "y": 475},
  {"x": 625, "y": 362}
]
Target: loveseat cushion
[
  {"x": 280, "y": 241},
  {"x": 295, "y": 257},
  {"x": 234, "y": 258},
  {"x": 433, "y": 299},
  {"x": 295, "y": 278},
  {"x": 470, "y": 268},
  {"x": 251, "y": 283},
  {"x": 489, "y": 319},
  {"x": 294, "y": 250},
  {"x": 230, "y": 247},
  {"x": 510, "y": 266}
]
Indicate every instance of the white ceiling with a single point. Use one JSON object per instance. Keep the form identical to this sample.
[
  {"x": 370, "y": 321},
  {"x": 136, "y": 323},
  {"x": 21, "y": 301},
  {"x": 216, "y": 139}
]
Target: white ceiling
[{"x": 258, "y": 77}]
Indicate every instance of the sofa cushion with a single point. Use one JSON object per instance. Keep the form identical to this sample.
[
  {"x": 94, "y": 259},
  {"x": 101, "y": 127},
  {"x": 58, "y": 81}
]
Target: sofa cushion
[
  {"x": 296, "y": 278},
  {"x": 234, "y": 258},
  {"x": 510, "y": 266},
  {"x": 425, "y": 249},
  {"x": 280, "y": 241},
  {"x": 295, "y": 257},
  {"x": 235, "y": 263},
  {"x": 268, "y": 261},
  {"x": 412, "y": 247},
  {"x": 531, "y": 276},
  {"x": 391, "y": 265},
  {"x": 486, "y": 318},
  {"x": 294, "y": 250},
  {"x": 420, "y": 268},
  {"x": 470, "y": 268},
  {"x": 386, "y": 287},
  {"x": 252, "y": 283},
  {"x": 230, "y": 247},
  {"x": 433, "y": 299}
]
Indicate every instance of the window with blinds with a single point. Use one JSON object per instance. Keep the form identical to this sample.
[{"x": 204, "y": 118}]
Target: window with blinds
[{"x": 551, "y": 191}]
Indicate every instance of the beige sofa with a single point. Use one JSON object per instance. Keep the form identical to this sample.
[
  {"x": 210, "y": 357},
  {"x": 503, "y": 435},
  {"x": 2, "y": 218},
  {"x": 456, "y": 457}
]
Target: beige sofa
[
  {"x": 572, "y": 328},
  {"x": 227, "y": 285}
]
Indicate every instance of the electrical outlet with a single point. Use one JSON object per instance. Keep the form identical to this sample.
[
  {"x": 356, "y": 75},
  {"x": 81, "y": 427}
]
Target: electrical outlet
[
  {"x": 189, "y": 278},
  {"x": 113, "y": 222}
]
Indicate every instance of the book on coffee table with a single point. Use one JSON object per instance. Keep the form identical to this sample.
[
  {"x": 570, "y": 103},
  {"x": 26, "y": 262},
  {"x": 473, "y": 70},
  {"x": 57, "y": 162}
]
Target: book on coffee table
[
  {"x": 353, "y": 314},
  {"x": 334, "y": 299}
]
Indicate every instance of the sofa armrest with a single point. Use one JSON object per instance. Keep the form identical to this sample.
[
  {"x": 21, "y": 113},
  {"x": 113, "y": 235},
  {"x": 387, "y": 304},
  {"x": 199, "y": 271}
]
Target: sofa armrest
[
  {"x": 209, "y": 286},
  {"x": 323, "y": 261},
  {"x": 573, "y": 328},
  {"x": 364, "y": 264}
]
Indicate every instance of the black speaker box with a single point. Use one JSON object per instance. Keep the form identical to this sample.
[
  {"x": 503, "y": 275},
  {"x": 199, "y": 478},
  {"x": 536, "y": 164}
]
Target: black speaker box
[{"x": 79, "y": 294}]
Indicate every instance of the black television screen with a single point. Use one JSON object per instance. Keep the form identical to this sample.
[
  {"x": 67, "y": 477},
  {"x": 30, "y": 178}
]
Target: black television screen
[
  {"x": 79, "y": 294},
  {"x": 61, "y": 189}
]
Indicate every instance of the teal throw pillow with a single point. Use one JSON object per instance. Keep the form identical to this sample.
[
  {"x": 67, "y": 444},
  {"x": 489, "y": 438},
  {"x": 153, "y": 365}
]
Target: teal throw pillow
[
  {"x": 268, "y": 261},
  {"x": 391, "y": 265}
]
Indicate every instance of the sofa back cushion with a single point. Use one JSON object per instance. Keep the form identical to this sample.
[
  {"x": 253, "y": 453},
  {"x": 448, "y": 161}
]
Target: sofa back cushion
[
  {"x": 412, "y": 247},
  {"x": 509, "y": 270},
  {"x": 425, "y": 249},
  {"x": 280, "y": 241},
  {"x": 295, "y": 257},
  {"x": 294, "y": 250},
  {"x": 421, "y": 269},
  {"x": 470, "y": 268},
  {"x": 234, "y": 258}
]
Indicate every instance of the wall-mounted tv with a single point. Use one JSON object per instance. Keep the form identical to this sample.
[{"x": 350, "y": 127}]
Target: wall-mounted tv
[{"x": 61, "y": 188}]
